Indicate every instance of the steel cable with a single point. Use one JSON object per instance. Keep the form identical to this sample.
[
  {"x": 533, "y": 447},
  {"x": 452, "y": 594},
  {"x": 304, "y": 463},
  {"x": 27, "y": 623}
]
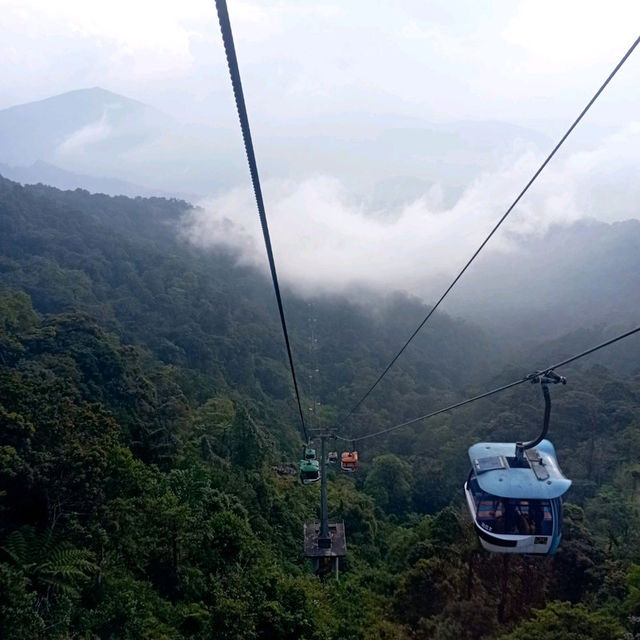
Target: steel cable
[
  {"x": 527, "y": 378},
  {"x": 234, "y": 72},
  {"x": 496, "y": 227}
]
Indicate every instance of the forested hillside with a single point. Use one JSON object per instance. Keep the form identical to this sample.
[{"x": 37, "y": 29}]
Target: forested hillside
[
  {"x": 147, "y": 423},
  {"x": 581, "y": 275}
]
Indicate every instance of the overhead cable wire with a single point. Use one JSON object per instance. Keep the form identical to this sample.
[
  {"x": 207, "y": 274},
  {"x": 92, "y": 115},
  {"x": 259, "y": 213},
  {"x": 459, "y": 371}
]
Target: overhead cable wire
[
  {"x": 234, "y": 72},
  {"x": 496, "y": 227},
  {"x": 434, "y": 413},
  {"x": 527, "y": 378}
]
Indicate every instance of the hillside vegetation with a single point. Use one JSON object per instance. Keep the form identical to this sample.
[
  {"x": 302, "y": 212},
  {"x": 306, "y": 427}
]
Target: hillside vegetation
[{"x": 147, "y": 422}]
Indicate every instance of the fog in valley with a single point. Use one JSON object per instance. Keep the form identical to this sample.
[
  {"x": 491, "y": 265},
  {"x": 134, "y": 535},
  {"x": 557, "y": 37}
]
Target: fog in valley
[
  {"x": 388, "y": 147},
  {"x": 185, "y": 455}
]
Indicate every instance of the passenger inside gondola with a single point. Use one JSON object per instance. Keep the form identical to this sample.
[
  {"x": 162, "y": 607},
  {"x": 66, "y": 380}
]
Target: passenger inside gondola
[{"x": 510, "y": 515}]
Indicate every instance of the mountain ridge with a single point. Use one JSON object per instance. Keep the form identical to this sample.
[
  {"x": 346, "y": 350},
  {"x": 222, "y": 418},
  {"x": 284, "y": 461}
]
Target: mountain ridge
[
  {"x": 41, "y": 172},
  {"x": 84, "y": 131}
]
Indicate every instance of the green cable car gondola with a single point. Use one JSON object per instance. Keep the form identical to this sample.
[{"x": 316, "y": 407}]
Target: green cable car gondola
[
  {"x": 309, "y": 466},
  {"x": 309, "y": 471}
]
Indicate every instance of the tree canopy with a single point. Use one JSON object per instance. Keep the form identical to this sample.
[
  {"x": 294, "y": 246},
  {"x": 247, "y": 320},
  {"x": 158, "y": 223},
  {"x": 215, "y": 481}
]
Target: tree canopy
[{"x": 148, "y": 442}]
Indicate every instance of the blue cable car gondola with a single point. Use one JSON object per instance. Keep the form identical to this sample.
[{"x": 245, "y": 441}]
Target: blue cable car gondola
[
  {"x": 514, "y": 490},
  {"x": 515, "y": 504}
]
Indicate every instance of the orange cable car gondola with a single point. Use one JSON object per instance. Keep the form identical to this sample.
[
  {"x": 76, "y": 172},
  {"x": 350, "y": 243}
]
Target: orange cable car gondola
[{"x": 349, "y": 461}]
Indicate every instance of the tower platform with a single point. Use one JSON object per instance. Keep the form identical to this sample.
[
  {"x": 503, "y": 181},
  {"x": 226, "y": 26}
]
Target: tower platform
[{"x": 325, "y": 555}]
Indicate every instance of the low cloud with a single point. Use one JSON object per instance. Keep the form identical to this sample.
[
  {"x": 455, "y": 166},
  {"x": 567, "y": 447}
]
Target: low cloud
[
  {"x": 324, "y": 242},
  {"x": 89, "y": 134}
]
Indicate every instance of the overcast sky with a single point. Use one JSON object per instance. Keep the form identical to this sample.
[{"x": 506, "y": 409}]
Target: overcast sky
[
  {"x": 301, "y": 59},
  {"x": 328, "y": 66}
]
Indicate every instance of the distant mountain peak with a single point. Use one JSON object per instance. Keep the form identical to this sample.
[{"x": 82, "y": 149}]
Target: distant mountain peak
[
  {"x": 67, "y": 125},
  {"x": 90, "y": 96}
]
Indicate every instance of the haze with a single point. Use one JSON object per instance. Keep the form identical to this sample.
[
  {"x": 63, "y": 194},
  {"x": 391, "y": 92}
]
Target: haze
[
  {"x": 391, "y": 137},
  {"x": 498, "y": 59}
]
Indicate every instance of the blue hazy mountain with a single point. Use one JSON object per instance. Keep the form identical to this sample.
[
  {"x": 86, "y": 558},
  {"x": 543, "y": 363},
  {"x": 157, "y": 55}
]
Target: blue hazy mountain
[
  {"x": 71, "y": 122},
  {"x": 578, "y": 276},
  {"x": 384, "y": 160},
  {"x": 41, "y": 172},
  {"x": 97, "y": 133}
]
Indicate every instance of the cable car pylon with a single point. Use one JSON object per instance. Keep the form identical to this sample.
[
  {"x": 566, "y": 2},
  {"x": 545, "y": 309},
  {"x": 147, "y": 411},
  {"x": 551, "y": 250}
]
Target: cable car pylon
[
  {"x": 324, "y": 539},
  {"x": 324, "y": 542}
]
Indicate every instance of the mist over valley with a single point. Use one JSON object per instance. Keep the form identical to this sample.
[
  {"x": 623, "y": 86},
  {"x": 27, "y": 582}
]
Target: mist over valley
[
  {"x": 185, "y": 455},
  {"x": 382, "y": 205}
]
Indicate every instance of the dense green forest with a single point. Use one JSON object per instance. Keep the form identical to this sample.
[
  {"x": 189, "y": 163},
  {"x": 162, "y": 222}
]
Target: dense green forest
[{"x": 147, "y": 427}]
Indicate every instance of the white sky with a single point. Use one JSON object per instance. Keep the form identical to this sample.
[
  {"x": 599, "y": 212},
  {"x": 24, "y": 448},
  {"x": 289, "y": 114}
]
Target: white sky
[
  {"x": 531, "y": 62},
  {"x": 438, "y": 59}
]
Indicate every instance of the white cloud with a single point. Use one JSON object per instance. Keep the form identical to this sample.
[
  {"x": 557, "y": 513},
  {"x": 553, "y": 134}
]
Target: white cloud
[
  {"x": 259, "y": 21},
  {"x": 302, "y": 58},
  {"x": 143, "y": 25},
  {"x": 139, "y": 38},
  {"x": 89, "y": 134},
  {"x": 558, "y": 37},
  {"x": 322, "y": 241}
]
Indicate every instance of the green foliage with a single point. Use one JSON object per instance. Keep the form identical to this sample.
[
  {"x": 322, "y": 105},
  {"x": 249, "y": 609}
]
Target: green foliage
[
  {"x": 18, "y": 601},
  {"x": 51, "y": 573},
  {"x": 632, "y": 601},
  {"x": 613, "y": 513},
  {"x": 390, "y": 483},
  {"x": 563, "y": 621},
  {"x": 48, "y": 563},
  {"x": 577, "y": 560},
  {"x": 147, "y": 426}
]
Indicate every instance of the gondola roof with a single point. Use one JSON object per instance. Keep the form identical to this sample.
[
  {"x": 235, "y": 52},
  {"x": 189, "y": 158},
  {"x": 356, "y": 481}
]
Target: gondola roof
[
  {"x": 309, "y": 465},
  {"x": 498, "y": 474}
]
